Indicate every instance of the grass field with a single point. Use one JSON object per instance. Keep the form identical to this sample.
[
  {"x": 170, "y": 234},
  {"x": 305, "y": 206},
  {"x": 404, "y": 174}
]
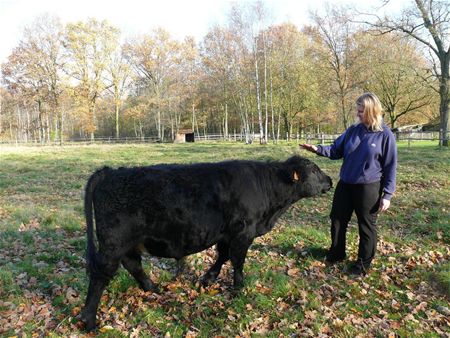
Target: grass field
[{"x": 289, "y": 291}]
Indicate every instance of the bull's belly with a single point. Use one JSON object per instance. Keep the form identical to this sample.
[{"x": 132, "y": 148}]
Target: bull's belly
[
  {"x": 177, "y": 249},
  {"x": 176, "y": 240}
]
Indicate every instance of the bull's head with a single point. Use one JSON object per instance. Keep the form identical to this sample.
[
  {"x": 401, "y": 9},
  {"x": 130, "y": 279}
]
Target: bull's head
[{"x": 307, "y": 177}]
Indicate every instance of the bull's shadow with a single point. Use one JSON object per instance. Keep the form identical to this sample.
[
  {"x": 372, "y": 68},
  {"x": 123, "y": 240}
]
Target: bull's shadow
[{"x": 311, "y": 251}]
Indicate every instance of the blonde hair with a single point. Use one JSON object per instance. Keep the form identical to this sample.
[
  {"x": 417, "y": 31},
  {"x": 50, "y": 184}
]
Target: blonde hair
[{"x": 372, "y": 110}]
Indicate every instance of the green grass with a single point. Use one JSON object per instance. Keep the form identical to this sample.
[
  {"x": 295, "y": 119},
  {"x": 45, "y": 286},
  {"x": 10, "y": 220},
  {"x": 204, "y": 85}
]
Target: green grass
[{"x": 288, "y": 290}]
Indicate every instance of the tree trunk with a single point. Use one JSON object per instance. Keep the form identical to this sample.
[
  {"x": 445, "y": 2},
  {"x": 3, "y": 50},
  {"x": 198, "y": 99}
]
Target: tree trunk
[
  {"x": 243, "y": 114},
  {"x": 48, "y": 129},
  {"x": 11, "y": 135},
  {"x": 287, "y": 127},
  {"x": 41, "y": 123},
  {"x": 28, "y": 127},
  {"x": 61, "y": 125},
  {"x": 278, "y": 125},
  {"x": 141, "y": 130},
  {"x": 258, "y": 97},
  {"x": 266, "y": 132},
  {"x": 392, "y": 118},
  {"x": 343, "y": 109},
  {"x": 272, "y": 113},
  {"x": 172, "y": 126},
  {"x": 117, "y": 108},
  {"x": 193, "y": 118},
  {"x": 158, "y": 124},
  {"x": 226, "y": 122},
  {"x": 94, "y": 120},
  {"x": 135, "y": 128},
  {"x": 444, "y": 101}
]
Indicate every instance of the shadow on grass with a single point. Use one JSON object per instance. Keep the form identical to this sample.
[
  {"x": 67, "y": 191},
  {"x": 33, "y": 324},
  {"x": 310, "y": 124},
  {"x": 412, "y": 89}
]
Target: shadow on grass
[
  {"x": 312, "y": 251},
  {"x": 316, "y": 252}
]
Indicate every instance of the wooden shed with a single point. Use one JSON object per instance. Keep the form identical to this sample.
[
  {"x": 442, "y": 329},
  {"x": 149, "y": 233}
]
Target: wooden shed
[{"x": 184, "y": 135}]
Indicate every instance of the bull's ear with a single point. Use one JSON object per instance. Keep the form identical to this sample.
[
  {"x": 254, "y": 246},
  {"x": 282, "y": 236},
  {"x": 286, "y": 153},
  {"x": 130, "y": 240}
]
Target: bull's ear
[{"x": 295, "y": 176}]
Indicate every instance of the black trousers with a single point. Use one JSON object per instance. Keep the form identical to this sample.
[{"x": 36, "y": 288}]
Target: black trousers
[{"x": 364, "y": 200}]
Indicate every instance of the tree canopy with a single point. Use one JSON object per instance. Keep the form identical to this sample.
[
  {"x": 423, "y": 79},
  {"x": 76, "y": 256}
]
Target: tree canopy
[{"x": 83, "y": 79}]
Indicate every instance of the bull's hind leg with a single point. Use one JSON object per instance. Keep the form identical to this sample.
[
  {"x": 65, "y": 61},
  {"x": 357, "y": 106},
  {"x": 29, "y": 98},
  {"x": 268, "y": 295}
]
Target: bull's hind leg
[
  {"x": 98, "y": 280},
  {"x": 132, "y": 261},
  {"x": 181, "y": 266},
  {"x": 223, "y": 250},
  {"x": 238, "y": 253}
]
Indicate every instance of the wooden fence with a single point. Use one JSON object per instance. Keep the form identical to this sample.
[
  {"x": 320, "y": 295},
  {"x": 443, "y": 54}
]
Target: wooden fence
[{"x": 236, "y": 137}]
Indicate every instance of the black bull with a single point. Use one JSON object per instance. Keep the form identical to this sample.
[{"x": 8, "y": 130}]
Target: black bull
[{"x": 177, "y": 210}]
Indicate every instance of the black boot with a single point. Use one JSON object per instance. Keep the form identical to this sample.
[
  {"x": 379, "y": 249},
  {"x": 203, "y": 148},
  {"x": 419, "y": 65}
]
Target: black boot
[
  {"x": 359, "y": 269},
  {"x": 331, "y": 258}
]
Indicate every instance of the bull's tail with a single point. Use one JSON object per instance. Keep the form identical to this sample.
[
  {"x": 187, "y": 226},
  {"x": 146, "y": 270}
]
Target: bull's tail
[{"x": 91, "y": 251}]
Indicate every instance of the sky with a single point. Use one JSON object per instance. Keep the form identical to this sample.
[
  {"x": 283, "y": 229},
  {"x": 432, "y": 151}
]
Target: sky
[{"x": 180, "y": 17}]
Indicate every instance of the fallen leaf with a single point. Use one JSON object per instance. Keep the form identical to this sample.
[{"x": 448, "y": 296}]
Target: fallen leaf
[
  {"x": 213, "y": 292},
  {"x": 293, "y": 272},
  {"x": 443, "y": 310},
  {"x": 396, "y": 305},
  {"x": 410, "y": 295},
  {"x": 72, "y": 295},
  {"x": 76, "y": 311},
  {"x": 106, "y": 328}
]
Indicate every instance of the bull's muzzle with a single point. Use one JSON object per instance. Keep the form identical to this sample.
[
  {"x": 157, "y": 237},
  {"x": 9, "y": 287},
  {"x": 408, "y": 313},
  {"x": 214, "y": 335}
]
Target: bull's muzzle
[{"x": 328, "y": 185}]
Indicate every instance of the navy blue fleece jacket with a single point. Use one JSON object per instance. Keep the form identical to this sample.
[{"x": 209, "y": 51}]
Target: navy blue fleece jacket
[{"x": 369, "y": 156}]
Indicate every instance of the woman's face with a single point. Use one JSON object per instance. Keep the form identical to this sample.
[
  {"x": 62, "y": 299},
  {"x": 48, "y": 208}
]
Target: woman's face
[{"x": 360, "y": 113}]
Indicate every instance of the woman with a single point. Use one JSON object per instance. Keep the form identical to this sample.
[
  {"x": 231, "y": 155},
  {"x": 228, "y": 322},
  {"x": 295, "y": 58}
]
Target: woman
[{"x": 367, "y": 180}]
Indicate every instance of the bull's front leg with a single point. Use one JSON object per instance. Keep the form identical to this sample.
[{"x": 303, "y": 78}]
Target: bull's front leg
[
  {"x": 223, "y": 254},
  {"x": 238, "y": 252}
]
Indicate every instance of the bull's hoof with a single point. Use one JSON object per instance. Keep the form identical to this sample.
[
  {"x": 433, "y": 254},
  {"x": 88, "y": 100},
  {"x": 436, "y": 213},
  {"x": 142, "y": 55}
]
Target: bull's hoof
[
  {"x": 89, "y": 327},
  {"x": 89, "y": 322},
  {"x": 148, "y": 286},
  {"x": 236, "y": 291},
  {"x": 204, "y": 282},
  {"x": 238, "y": 287},
  {"x": 208, "y": 279},
  {"x": 238, "y": 282},
  {"x": 180, "y": 269}
]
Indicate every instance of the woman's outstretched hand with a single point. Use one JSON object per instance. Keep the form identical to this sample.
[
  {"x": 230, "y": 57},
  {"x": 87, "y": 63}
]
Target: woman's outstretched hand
[{"x": 310, "y": 147}]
